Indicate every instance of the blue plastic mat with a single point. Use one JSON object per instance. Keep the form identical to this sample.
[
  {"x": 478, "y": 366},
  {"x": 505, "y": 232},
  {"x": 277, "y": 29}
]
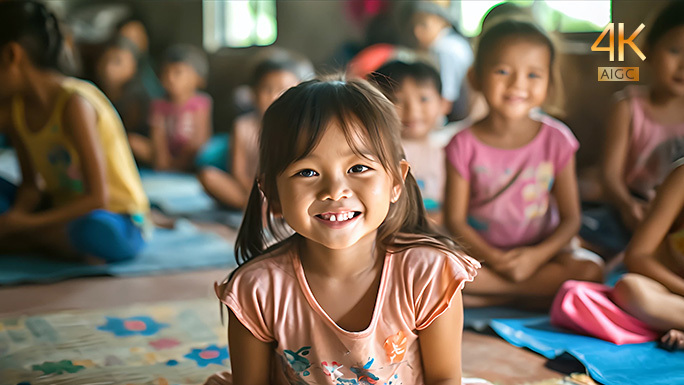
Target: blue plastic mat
[
  {"x": 182, "y": 195},
  {"x": 181, "y": 249},
  {"x": 9, "y": 166},
  {"x": 607, "y": 363},
  {"x": 479, "y": 318}
]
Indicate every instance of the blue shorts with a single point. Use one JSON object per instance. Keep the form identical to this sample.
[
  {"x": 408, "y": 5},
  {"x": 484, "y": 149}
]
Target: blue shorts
[{"x": 100, "y": 233}]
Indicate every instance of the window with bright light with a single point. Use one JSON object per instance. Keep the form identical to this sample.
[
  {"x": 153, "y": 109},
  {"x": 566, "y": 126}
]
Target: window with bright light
[
  {"x": 243, "y": 23},
  {"x": 554, "y": 15}
]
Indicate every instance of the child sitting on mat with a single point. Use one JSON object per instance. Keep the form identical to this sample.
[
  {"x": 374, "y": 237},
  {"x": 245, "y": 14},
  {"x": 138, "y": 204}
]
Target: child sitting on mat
[
  {"x": 80, "y": 193},
  {"x": 416, "y": 91},
  {"x": 653, "y": 290},
  {"x": 180, "y": 124},
  {"x": 645, "y": 134},
  {"x": 270, "y": 78},
  {"x": 511, "y": 190}
]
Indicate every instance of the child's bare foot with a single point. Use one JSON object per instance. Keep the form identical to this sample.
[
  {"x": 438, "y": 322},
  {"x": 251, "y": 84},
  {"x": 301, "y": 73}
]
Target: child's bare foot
[
  {"x": 161, "y": 220},
  {"x": 672, "y": 340}
]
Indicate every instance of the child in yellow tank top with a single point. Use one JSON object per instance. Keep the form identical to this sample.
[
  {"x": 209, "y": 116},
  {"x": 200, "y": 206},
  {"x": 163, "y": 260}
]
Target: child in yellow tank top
[{"x": 80, "y": 193}]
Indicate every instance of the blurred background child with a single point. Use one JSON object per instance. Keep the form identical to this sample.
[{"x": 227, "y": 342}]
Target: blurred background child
[
  {"x": 117, "y": 76},
  {"x": 416, "y": 91},
  {"x": 133, "y": 29},
  {"x": 271, "y": 77},
  {"x": 435, "y": 31},
  {"x": 80, "y": 193},
  {"x": 653, "y": 291},
  {"x": 180, "y": 123},
  {"x": 511, "y": 190},
  {"x": 644, "y": 135}
]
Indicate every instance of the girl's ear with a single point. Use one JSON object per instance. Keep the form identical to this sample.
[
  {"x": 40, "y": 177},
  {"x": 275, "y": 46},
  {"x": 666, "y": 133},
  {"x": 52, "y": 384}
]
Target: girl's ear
[
  {"x": 11, "y": 53},
  {"x": 473, "y": 79},
  {"x": 396, "y": 190}
]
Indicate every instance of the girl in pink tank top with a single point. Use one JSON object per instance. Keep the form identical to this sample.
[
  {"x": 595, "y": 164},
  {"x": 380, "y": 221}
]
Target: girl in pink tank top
[
  {"x": 346, "y": 282},
  {"x": 645, "y": 132}
]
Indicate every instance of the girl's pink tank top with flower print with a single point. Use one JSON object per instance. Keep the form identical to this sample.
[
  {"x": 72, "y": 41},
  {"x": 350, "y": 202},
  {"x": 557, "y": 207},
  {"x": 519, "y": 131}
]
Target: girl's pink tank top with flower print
[{"x": 272, "y": 299}]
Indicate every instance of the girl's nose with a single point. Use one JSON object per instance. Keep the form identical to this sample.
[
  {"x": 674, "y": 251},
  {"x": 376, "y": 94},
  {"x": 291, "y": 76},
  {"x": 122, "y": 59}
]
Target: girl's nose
[
  {"x": 333, "y": 189},
  {"x": 518, "y": 79}
]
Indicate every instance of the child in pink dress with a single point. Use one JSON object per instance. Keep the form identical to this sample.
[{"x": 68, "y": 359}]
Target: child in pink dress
[
  {"x": 511, "y": 192},
  {"x": 180, "y": 123},
  {"x": 346, "y": 282}
]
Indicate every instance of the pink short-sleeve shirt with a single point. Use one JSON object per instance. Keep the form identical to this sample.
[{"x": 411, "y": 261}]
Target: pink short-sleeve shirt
[
  {"x": 179, "y": 121},
  {"x": 510, "y": 201},
  {"x": 272, "y": 299}
]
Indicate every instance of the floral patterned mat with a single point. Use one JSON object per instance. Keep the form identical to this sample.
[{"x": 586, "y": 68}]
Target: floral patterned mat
[{"x": 166, "y": 343}]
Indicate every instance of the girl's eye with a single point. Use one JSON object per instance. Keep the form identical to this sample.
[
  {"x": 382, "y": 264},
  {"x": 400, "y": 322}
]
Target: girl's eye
[
  {"x": 674, "y": 51},
  {"x": 308, "y": 173},
  {"x": 534, "y": 76},
  {"x": 358, "y": 168},
  {"x": 424, "y": 99},
  {"x": 501, "y": 72}
]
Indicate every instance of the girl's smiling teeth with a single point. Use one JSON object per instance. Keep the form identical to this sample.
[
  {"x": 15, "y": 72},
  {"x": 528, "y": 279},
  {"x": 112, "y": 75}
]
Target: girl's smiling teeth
[{"x": 339, "y": 217}]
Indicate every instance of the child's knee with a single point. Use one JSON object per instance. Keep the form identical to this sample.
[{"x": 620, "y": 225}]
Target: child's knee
[
  {"x": 629, "y": 292},
  {"x": 208, "y": 175},
  {"x": 587, "y": 266}
]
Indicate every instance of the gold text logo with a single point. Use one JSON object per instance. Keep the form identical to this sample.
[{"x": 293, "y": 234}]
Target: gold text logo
[
  {"x": 621, "y": 42},
  {"x": 618, "y": 74}
]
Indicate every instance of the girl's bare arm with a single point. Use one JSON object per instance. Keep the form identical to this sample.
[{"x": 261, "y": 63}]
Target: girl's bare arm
[
  {"x": 440, "y": 346},
  {"x": 80, "y": 121},
  {"x": 239, "y": 155},
  {"x": 456, "y": 200},
  {"x": 160, "y": 146},
  {"x": 28, "y": 195},
  {"x": 615, "y": 152},
  {"x": 641, "y": 256},
  {"x": 250, "y": 358}
]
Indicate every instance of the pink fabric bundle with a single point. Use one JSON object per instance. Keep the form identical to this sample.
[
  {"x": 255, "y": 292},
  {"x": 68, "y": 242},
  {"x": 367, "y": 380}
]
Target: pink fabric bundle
[{"x": 586, "y": 308}]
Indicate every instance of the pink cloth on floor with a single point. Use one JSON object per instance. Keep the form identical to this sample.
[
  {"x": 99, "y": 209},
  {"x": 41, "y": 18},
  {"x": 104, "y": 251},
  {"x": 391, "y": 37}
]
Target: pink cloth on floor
[{"x": 585, "y": 307}]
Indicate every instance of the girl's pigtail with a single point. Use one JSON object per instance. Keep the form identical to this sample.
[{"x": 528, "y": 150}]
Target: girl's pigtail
[
  {"x": 251, "y": 240},
  {"x": 415, "y": 202}
]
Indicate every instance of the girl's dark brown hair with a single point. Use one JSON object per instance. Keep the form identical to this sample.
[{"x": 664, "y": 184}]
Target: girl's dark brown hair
[
  {"x": 671, "y": 17},
  {"x": 35, "y": 28},
  {"x": 292, "y": 127}
]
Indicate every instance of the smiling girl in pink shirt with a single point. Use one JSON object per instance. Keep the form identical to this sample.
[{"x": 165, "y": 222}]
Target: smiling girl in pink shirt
[{"x": 346, "y": 282}]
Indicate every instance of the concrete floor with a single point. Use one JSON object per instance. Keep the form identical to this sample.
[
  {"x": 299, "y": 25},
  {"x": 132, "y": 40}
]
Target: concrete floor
[{"x": 484, "y": 355}]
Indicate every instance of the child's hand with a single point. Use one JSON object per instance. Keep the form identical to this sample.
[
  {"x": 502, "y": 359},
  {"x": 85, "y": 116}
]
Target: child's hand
[
  {"x": 633, "y": 214},
  {"x": 672, "y": 340},
  {"x": 15, "y": 221},
  {"x": 519, "y": 264},
  {"x": 221, "y": 378}
]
